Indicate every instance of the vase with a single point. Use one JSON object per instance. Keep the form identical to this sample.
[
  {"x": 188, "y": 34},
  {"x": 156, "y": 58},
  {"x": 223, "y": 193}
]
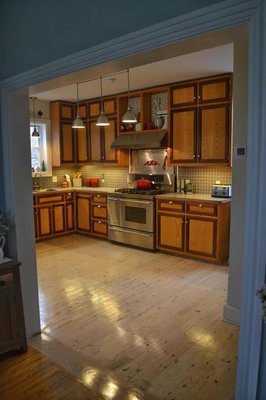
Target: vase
[{"x": 2, "y": 243}]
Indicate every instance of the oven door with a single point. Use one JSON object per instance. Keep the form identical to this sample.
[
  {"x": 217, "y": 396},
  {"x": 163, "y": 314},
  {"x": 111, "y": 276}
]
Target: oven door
[{"x": 137, "y": 214}]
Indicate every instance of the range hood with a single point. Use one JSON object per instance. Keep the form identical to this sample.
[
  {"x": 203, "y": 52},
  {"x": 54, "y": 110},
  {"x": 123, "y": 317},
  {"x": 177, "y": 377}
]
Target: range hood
[{"x": 140, "y": 141}]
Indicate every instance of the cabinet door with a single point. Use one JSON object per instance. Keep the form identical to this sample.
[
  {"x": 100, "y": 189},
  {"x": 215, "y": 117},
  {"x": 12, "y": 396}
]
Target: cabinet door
[
  {"x": 100, "y": 227},
  {"x": 83, "y": 210},
  {"x": 82, "y": 145},
  {"x": 170, "y": 233},
  {"x": 8, "y": 321},
  {"x": 109, "y": 135},
  {"x": 95, "y": 142},
  {"x": 183, "y": 135},
  {"x": 67, "y": 143},
  {"x": 70, "y": 226},
  {"x": 45, "y": 221},
  {"x": 201, "y": 236},
  {"x": 66, "y": 111},
  {"x": 183, "y": 95},
  {"x": 58, "y": 215},
  {"x": 214, "y": 133},
  {"x": 215, "y": 90}
]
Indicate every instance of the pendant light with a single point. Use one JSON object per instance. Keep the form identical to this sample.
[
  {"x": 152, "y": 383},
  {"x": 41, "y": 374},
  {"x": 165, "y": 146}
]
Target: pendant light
[
  {"x": 102, "y": 120},
  {"x": 78, "y": 123},
  {"x": 129, "y": 117},
  {"x": 35, "y": 132}
]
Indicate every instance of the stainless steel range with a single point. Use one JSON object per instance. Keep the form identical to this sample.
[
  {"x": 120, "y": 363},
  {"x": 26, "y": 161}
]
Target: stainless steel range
[
  {"x": 131, "y": 211},
  {"x": 131, "y": 217}
]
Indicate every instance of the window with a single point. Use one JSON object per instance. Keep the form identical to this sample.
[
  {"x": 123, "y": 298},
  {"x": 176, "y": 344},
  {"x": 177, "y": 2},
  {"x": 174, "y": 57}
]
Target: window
[{"x": 40, "y": 146}]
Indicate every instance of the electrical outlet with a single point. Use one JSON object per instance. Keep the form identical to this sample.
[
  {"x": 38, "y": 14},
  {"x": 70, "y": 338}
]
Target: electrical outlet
[
  {"x": 54, "y": 179},
  {"x": 217, "y": 182}
]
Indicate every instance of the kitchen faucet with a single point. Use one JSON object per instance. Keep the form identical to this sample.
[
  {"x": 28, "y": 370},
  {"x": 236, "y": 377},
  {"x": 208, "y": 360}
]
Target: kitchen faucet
[{"x": 36, "y": 185}]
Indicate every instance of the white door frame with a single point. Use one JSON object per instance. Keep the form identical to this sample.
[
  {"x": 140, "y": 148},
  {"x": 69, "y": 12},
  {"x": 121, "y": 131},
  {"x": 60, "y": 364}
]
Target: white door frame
[{"x": 17, "y": 175}]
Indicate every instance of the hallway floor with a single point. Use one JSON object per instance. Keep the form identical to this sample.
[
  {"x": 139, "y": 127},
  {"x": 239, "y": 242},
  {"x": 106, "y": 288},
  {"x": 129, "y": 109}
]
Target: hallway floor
[{"x": 151, "y": 321}]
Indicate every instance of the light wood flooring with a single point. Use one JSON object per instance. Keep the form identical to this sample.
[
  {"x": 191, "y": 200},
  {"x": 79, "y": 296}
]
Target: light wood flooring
[{"x": 152, "y": 319}]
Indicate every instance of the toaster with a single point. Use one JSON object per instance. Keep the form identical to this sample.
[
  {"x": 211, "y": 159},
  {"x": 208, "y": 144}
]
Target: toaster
[{"x": 221, "y": 191}]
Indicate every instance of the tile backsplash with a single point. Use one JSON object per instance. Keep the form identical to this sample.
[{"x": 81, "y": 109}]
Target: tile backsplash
[
  {"x": 201, "y": 177},
  {"x": 204, "y": 177}
]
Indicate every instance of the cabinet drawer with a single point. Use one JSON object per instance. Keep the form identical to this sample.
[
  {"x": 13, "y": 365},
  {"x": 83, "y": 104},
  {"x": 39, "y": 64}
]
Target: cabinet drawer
[
  {"x": 201, "y": 208},
  {"x": 99, "y": 227},
  {"x": 69, "y": 196},
  {"x": 171, "y": 205},
  {"x": 99, "y": 211},
  {"x": 99, "y": 198},
  {"x": 7, "y": 281},
  {"x": 47, "y": 199}
]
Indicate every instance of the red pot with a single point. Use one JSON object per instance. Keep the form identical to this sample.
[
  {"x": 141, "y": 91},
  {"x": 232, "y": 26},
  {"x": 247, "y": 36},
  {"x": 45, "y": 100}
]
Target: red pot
[{"x": 143, "y": 184}]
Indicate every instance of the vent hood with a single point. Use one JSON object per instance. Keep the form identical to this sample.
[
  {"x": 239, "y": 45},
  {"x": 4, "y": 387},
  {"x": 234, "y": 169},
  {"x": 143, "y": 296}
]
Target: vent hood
[{"x": 140, "y": 141}]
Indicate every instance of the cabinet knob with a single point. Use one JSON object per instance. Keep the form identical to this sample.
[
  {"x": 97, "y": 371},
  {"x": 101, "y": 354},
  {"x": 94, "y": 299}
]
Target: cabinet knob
[
  {"x": 199, "y": 97},
  {"x": 198, "y": 155},
  {"x": 99, "y": 206},
  {"x": 187, "y": 221},
  {"x": 170, "y": 202},
  {"x": 194, "y": 155},
  {"x": 200, "y": 205},
  {"x": 98, "y": 195},
  {"x": 99, "y": 222}
]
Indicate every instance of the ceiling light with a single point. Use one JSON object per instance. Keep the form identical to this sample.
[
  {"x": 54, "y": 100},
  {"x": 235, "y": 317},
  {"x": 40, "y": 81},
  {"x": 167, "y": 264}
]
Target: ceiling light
[
  {"x": 129, "y": 117},
  {"x": 78, "y": 123},
  {"x": 35, "y": 132},
  {"x": 102, "y": 120}
]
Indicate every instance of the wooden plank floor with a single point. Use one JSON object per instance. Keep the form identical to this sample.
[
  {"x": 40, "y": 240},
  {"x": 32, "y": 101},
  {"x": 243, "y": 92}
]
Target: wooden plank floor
[
  {"x": 155, "y": 320},
  {"x": 32, "y": 376}
]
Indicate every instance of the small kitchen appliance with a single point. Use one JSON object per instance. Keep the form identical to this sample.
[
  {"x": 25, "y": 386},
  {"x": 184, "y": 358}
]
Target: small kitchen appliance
[{"x": 221, "y": 191}]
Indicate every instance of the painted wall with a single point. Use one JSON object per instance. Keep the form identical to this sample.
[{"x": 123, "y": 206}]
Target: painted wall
[{"x": 39, "y": 32}]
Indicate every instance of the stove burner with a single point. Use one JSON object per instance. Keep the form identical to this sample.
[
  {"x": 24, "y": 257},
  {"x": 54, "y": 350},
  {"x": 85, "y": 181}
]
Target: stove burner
[{"x": 139, "y": 191}]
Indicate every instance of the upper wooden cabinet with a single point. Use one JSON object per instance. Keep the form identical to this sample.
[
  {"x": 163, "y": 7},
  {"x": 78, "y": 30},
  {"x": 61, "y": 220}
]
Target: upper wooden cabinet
[
  {"x": 101, "y": 138},
  {"x": 109, "y": 107},
  {"x": 69, "y": 146},
  {"x": 200, "y": 122}
]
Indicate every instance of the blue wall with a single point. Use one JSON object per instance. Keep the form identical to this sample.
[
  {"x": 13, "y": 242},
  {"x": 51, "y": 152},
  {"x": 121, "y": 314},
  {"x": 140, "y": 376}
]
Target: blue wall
[{"x": 35, "y": 32}]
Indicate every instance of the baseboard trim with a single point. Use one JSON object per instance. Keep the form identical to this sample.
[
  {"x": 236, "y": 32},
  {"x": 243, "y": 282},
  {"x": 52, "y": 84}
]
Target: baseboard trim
[{"x": 231, "y": 314}]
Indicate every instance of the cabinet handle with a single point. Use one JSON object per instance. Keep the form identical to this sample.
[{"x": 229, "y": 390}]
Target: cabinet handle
[
  {"x": 99, "y": 222},
  {"x": 199, "y": 97},
  {"x": 187, "y": 221},
  {"x": 99, "y": 206},
  {"x": 170, "y": 202},
  {"x": 98, "y": 195},
  {"x": 198, "y": 155},
  {"x": 194, "y": 155},
  {"x": 200, "y": 205}
]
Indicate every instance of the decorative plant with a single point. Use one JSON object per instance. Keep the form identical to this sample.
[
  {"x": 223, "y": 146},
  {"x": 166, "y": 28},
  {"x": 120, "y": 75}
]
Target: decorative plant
[{"x": 3, "y": 227}]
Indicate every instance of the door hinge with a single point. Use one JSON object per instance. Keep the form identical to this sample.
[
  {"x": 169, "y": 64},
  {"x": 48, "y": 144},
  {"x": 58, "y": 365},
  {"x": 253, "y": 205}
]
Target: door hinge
[{"x": 261, "y": 293}]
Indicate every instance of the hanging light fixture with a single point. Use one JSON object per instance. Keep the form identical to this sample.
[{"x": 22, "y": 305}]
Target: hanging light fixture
[
  {"x": 102, "y": 120},
  {"x": 35, "y": 132},
  {"x": 129, "y": 117},
  {"x": 78, "y": 123}
]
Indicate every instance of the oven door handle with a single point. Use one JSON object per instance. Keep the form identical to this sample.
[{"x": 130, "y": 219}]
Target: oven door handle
[
  {"x": 136, "y": 201},
  {"x": 129, "y": 231}
]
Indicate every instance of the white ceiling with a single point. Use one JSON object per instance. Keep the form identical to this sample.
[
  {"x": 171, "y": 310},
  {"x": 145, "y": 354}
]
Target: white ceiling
[{"x": 198, "y": 64}]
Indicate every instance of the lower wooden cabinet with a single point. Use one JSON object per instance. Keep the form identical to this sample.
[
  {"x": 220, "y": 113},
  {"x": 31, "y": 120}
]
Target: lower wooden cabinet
[
  {"x": 194, "y": 229},
  {"x": 12, "y": 326},
  {"x": 83, "y": 212},
  {"x": 91, "y": 214},
  {"x": 53, "y": 214}
]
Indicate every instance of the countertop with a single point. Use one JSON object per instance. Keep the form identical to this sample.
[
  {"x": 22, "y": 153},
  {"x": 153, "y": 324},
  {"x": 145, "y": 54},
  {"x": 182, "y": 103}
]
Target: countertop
[
  {"x": 71, "y": 189},
  {"x": 193, "y": 196}
]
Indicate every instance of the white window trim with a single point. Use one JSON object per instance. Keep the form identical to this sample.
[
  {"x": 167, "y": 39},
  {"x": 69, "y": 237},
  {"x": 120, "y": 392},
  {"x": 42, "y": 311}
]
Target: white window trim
[{"x": 48, "y": 151}]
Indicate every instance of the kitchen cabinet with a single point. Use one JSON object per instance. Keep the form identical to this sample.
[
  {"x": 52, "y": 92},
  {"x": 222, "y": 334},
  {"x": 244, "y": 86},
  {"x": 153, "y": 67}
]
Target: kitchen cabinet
[
  {"x": 12, "y": 326},
  {"x": 83, "y": 212},
  {"x": 53, "y": 215},
  {"x": 193, "y": 229},
  {"x": 69, "y": 146},
  {"x": 109, "y": 107},
  {"x": 99, "y": 215},
  {"x": 91, "y": 214},
  {"x": 101, "y": 138},
  {"x": 200, "y": 122}
]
